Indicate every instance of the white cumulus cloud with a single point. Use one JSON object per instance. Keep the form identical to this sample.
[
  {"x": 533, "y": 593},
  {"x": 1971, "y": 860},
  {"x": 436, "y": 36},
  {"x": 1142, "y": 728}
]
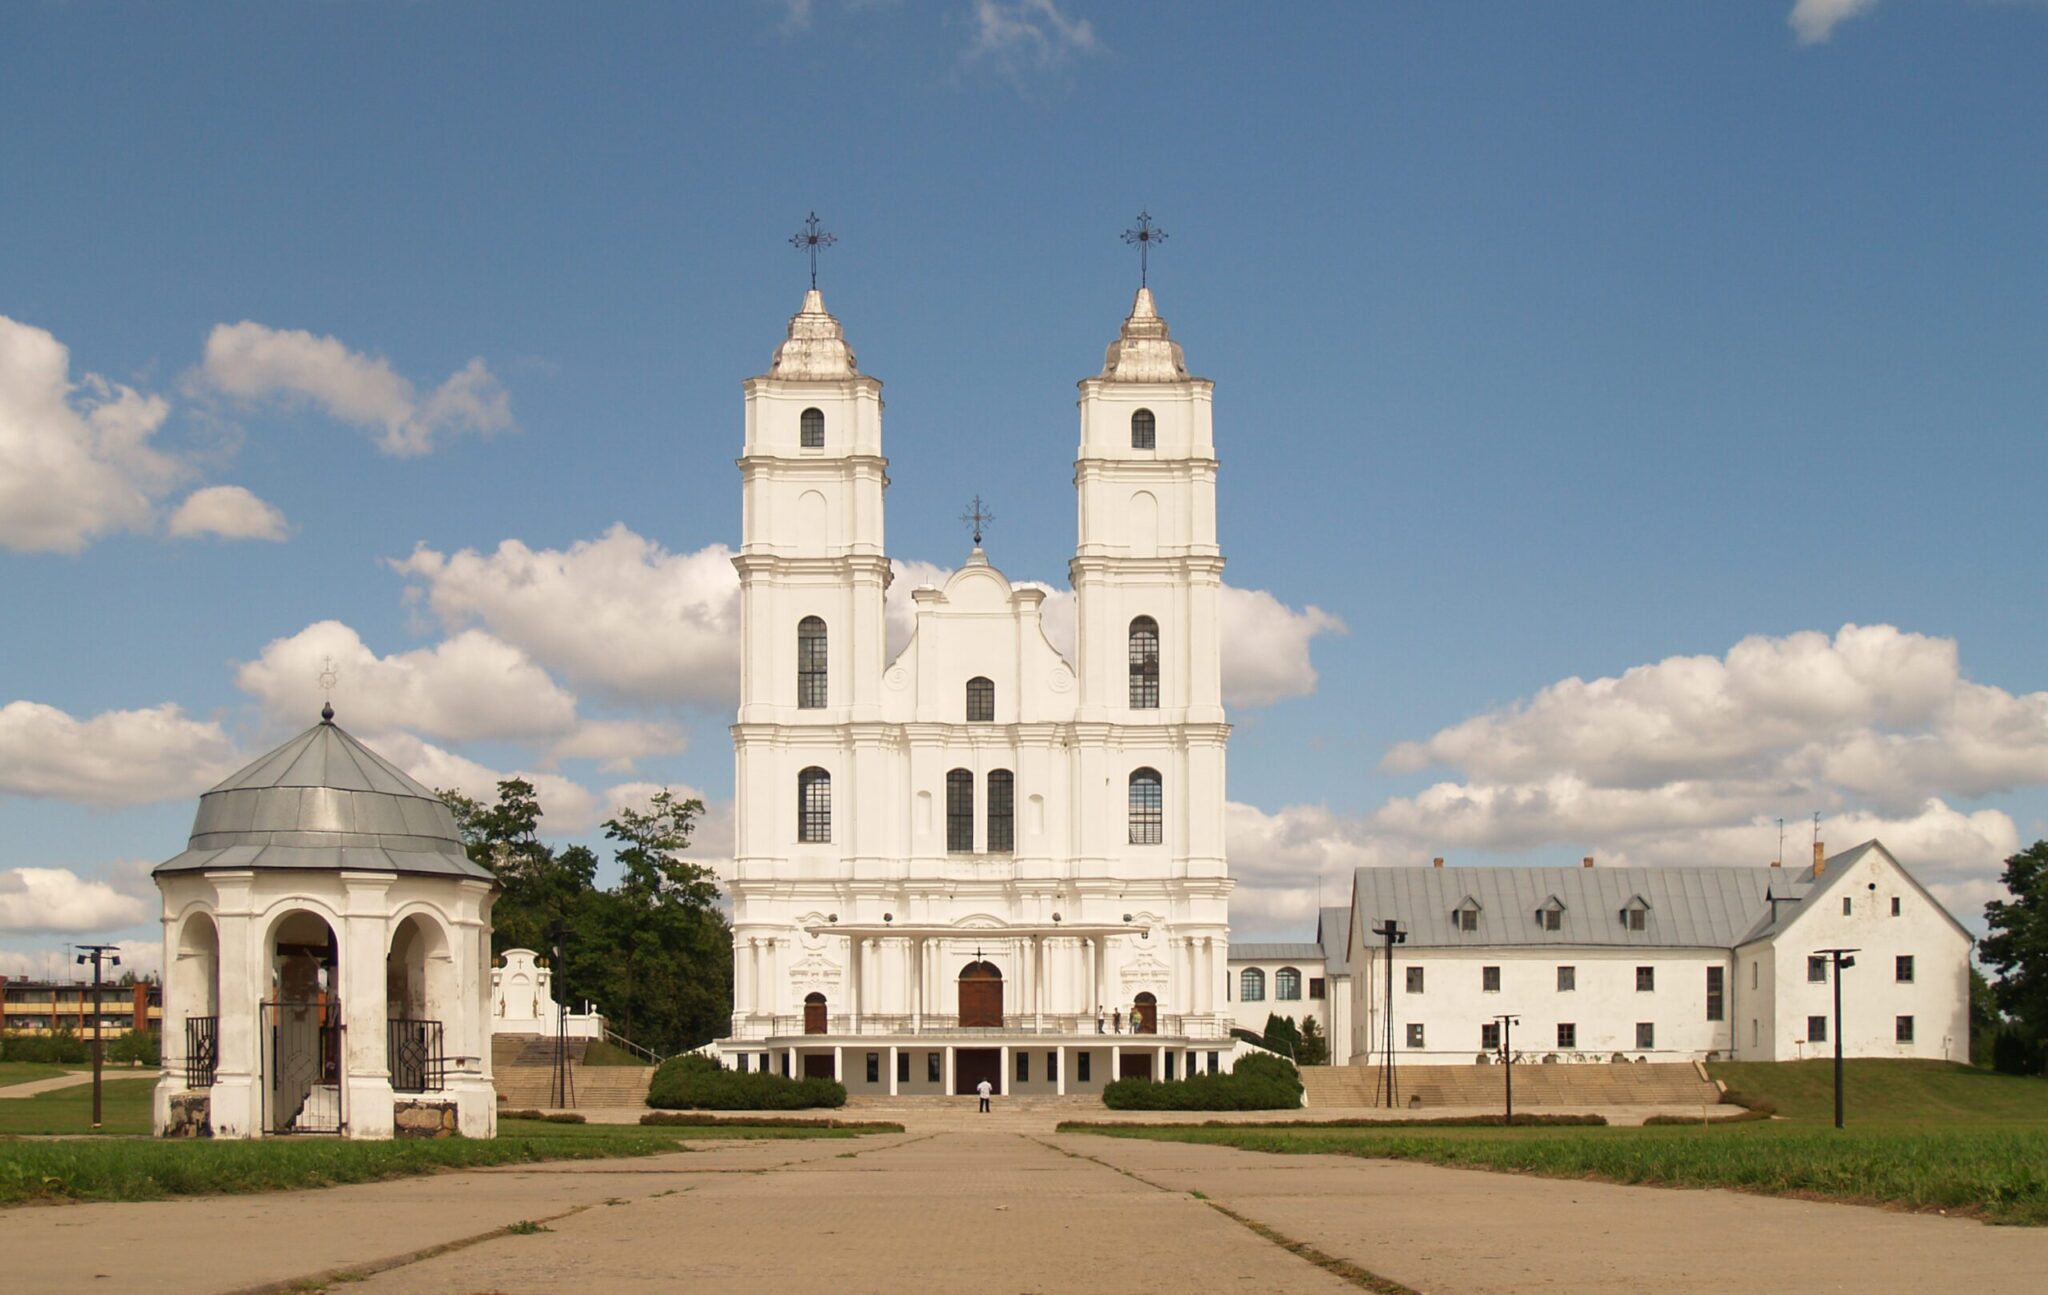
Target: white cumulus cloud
[
  {"x": 120, "y": 757},
  {"x": 617, "y": 743},
  {"x": 230, "y": 512},
  {"x": 1028, "y": 34},
  {"x": 1814, "y": 21},
  {"x": 253, "y": 362},
  {"x": 75, "y": 460},
  {"x": 49, "y": 901}
]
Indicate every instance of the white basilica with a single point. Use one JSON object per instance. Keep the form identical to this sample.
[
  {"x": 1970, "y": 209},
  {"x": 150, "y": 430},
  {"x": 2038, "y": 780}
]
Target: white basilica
[{"x": 979, "y": 859}]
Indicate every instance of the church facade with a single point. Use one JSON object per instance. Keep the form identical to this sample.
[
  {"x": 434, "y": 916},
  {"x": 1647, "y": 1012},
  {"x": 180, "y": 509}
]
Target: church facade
[{"x": 979, "y": 859}]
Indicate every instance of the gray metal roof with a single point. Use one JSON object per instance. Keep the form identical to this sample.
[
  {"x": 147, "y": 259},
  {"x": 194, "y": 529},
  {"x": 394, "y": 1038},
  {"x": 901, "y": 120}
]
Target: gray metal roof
[
  {"x": 324, "y": 801},
  {"x": 1686, "y": 907},
  {"x": 1333, "y": 935},
  {"x": 1276, "y": 953}
]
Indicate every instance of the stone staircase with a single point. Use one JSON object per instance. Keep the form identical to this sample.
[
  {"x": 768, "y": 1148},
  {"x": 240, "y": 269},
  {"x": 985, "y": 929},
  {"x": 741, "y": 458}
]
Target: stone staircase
[
  {"x": 1574, "y": 1086},
  {"x": 523, "y": 1068},
  {"x": 1036, "y": 1114}
]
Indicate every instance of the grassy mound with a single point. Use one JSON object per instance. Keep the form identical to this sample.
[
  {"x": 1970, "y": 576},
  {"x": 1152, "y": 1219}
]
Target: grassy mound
[
  {"x": 695, "y": 1083},
  {"x": 1258, "y": 1083},
  {"x": 1885, "y": 1092}
]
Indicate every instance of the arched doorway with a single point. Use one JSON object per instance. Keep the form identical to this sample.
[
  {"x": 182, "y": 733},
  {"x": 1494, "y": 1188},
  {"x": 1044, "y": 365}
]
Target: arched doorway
[
  {"x": 193, "y": 991},
  {"x": 418, "y": 994},
  {"x": 814, "y": 1014},
  {"x": 301, "y": 1028},
  {"x": 1145, "y": 1015},
  {"x": 981, "y": 995}
]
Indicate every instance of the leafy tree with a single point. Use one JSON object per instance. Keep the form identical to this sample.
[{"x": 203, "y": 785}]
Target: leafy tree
[
  {"x": 2017, "y": 949},
  {"x": 1986, "y": 1021},
  {"x": 1282, "y": 1036},
  {"x": 1314, "y": 1049}
]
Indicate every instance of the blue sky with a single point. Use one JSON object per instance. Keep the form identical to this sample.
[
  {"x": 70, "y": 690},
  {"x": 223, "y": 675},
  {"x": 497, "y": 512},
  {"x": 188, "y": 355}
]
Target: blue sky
[{"x": 1551, "y": 344}]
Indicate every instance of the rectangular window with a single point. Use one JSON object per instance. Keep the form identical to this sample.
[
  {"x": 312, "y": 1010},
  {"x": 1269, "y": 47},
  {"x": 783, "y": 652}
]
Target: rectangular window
[
  {"x": 1002, "y": 813},
  {"x": 1316, "y": 987},
  {"x": 1895, "y": 905},
  {"x": 1816, "y": 1029},
  {"x": 1414, "y": 980},
  {"x": 1081, "y": 1066},
  {"x": 814, "y": 807},
  {"x": 1169, "y": 1064},
  {"x": 1752, "y": 973},
  {"x": 1632, "y": 918},
  {"x": 1715, "y": 992},
  {"x": 1023, "y": 1066},
  {"x": 1148, "y": 808},
  {"x": 1646, "y": 980},
  {"x": 1816, "y": 971},
  {"x": 933, "y": 1074},
  {"x": 1567, "y": 1035},
  {"x": 785, "y": 1065},
  {"x": 1755, "y": 1034},
  {"x": 1902, "y": 968},
  {"x": 960, "y": 812},
  {"x": 1052, "y": 1067},
  {"x": 1550, "y": 919},
  {"x": 1415, "y": 1035},
  {"x": 902, "y": 1067},
  {"x": 1567, "y": 979},
  {"x": 743, "y": 1063},
  {"x": 1213, "y": 1062},
  {"x": 1646, "y": 1034},
  {"x": 1489, "y": 980},
  {"x": 1902, "y": 1029},
  {"x": 810, "y": 664},
  {"x": 1845, "y": 906},
  {"x": 1467, "y": 919},
  {"x": 1489, "y": 1036},
  {"x": 874, "y": 1067}
]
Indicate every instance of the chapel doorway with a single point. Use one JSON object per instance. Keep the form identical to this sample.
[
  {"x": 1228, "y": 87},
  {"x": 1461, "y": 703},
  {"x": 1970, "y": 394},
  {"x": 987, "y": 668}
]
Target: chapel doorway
[
  {"x": 981, "y": 995},
  {"x": 814, "y": 1015},
  {"x": 300, "y": 1029},
  {"x": 1134, "y": 1065},
  {"x": 1145, "y": 1015},
  {"x": 972, "y": 1065}
]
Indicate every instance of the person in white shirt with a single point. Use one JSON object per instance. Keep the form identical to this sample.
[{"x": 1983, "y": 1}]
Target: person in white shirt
[{"x": 984, "y": 1089}]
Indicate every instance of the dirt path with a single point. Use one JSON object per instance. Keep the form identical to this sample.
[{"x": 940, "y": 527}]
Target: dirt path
[{"x": 69, "y": 1079}]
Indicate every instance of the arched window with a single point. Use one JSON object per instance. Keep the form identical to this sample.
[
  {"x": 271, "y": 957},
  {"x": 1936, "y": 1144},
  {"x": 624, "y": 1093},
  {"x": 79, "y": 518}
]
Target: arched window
[
  {"x": 810, "y": 664},
  {"x": 1144, "y": 430},
  {"x": 1144, "y": 664},
  {"x": 811, "y": 428},
  {"x": 1251, "y": 986},
  {"x": 1287, "y": 984},
  {"x": 960, "y": 811},
  {"x": 1148, "y": 807},
  {"x": 1002, "y": 811},
  {"x": 814, "y": 806},
  {"x": 981, "y": 700}
]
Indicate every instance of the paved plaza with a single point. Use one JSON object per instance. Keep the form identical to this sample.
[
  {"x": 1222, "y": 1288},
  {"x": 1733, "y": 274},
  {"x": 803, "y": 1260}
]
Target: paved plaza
[{"x": 1002, "y": 1212}]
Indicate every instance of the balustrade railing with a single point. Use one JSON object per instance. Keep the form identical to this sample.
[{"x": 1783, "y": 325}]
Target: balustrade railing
[{"x": 883, "y": 1023}]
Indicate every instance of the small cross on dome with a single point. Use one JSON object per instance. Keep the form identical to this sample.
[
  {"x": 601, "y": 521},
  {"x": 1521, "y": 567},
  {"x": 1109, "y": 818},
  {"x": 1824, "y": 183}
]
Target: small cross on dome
[
  {"x": 976, "y": 519},
  {"x": 1144, "y": 234}
]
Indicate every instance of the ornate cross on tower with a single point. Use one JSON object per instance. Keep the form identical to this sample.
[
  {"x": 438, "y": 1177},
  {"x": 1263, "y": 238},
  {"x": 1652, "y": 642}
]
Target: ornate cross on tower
[
  {"x": 1144, "y": 234},
  {"x": 976, "y": 519},
  {"x": 810, "y": 239},
  {"x": 327, "y": 681}
]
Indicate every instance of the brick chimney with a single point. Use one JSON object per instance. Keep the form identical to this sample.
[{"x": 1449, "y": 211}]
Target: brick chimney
[
  {"x": 1588, "y": 863},
  {"x": 1437, "y": 862},
  {"x": 1820, "y": 857}
]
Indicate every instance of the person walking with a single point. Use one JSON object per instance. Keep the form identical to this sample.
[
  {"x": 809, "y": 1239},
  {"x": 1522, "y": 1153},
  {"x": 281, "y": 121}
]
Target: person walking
[
  {"x": 1116, "y": 1020},
  {"x": 984, "y": 1089},
  {"x": 1099, "y": 1019}
]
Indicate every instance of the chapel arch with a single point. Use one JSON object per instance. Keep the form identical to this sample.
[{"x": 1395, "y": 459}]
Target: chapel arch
[{"x": 300, "y": 1044}]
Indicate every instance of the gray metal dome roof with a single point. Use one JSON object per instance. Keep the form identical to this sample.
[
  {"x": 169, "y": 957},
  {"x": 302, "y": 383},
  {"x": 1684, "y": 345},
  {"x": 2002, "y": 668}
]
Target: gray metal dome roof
[{"x": 324, "y": 801}]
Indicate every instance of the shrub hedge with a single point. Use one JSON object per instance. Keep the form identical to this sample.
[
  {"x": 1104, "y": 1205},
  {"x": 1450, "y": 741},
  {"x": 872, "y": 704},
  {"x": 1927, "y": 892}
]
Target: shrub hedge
[
  {"x": 698, "y": 1083},
  {"x": 1257, "y": 1083},
  {"x": 60, "y": 1049}
]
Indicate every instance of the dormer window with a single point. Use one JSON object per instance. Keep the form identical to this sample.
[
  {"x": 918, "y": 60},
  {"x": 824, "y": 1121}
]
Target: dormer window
[
  {"x": 1550, "y": 917},
  {"x": 1465, "y": 917},
  {"x": 811, "y": 429},
  {"x": 1635, "y": 915},
  {"x": 1144, "y": 431}
]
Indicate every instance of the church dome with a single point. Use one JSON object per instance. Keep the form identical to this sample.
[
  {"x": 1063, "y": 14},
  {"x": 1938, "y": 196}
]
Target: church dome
[
  {"x": 1142, "y": 351},
  {"x": 324, "y": 801},
  {"x": 816, "y": 348}
]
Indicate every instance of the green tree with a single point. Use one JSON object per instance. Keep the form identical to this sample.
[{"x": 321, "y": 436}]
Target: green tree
[
  {"x": 1314, "y": 1049},
  {"x": 1282, "y": 1036},
  {"x": 1985, "y": 1019},
  {"x": 2017, "y": 949}
]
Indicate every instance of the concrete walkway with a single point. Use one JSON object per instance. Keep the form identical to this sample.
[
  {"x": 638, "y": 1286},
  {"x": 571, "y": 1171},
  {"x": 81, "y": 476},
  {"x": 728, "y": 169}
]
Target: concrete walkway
[
  {"x": 69, "y": 1079},
  {"x": 996, "y": 1212}
]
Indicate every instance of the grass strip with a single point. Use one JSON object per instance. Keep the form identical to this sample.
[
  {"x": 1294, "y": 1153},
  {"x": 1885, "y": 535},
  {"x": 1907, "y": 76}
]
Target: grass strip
[
  {"x": 90, "y": 1170},
  {"x": 1414, "y": 1122},
  {"x": 2000, "y": 1175}
]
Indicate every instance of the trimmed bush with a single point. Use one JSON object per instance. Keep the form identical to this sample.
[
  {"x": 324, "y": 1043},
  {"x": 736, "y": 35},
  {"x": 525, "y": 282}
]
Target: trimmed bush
[
  {"x": 137, "y": 1047},
  {"x": 1258, "y": 1083},
  {"x": 694, "y": 1083},
  {"x": 60, "y": 1049}
]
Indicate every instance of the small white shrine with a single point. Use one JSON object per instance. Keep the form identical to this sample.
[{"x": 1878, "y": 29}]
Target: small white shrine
[
  {"x": 325, "y": 948},
  {"x": 523, "y": 1000}
]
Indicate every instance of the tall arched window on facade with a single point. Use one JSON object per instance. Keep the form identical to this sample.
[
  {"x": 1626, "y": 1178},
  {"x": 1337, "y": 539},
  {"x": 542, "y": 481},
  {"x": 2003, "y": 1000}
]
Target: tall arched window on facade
[
  {"x": 1251, "y": 986},
  {"x": 1144, "y": 431},
  {"x": 810, "y": 664},
  {"x": 960, "y": 811},
  {"x": 811, "y": 429},
  {"x": 1148, "y": 808},
  {"x": 1002, "y": 811},
  {"x": 1287, "y": 984},
  {"x": 1144, "y": 664},
  {"x": 981, "y": 700},
  {"x": 814, "y": 806}
]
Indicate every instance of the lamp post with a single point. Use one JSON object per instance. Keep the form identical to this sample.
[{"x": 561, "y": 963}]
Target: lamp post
[
  {"x": 1507, "y": 1058},
  {"x": 93, "y": 953},
  {"x": 1391, "y": 932},
  {"x": 1842, "y": 962},
  {"x": 561, "y": 1084}
]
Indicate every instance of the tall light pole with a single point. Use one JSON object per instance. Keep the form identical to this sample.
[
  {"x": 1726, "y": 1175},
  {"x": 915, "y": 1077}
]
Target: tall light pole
[
  {"x": 1391, "y": 932},
  {"x": 1507, "y": 1058},
  {"x": 1842, "y": 962},
  {"x": 94, "y": 953}
]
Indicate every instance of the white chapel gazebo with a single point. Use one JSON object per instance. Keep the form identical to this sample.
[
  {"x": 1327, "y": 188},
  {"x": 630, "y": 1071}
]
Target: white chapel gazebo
[{"x": 326, "y": 955}]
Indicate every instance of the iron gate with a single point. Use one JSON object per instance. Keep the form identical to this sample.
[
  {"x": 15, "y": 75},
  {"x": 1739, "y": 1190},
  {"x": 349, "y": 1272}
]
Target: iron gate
[{"x": 302, "y": 1089}]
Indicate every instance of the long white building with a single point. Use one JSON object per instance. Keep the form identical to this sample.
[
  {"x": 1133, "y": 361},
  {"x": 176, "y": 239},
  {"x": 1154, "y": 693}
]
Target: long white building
[{"x": 979, "y": 859}]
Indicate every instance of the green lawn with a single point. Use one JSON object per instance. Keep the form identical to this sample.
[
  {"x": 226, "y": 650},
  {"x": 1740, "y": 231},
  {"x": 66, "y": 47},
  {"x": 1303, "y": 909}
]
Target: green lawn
[
  {"x": 1921, "y": 1135},
  {"x": 20, "y": 1072},
  {"x": 124, "y": 1108}
]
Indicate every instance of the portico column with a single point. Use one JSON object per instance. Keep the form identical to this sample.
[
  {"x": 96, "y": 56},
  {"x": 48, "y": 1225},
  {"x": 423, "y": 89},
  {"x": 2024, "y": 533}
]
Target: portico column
[
  {"x": 916, "y": 978},
  {"x": 838, "y": 1063},
  {"x": 892, "y": 1070},
  {"x": 852, "y": 984},
  {"x": 1059, "y": 1071},
  {"x": 949, "y": 1070},
  {"x": 1003, "y": 1073},
  {"x": 1116, "y": 1062},
  {"x": 1206, "y": 987},
  {"x": 1159, "y": 1065},
  {"x": 743, "y": 977}
]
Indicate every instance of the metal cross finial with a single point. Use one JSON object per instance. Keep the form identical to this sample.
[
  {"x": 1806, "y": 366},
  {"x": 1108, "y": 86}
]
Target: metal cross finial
[
  {"x": 977, "y": 519},
  {"x": 327, "y": 681},
  {"x": 1144, "y": 234},
  {"x": 810, "y": 239}
]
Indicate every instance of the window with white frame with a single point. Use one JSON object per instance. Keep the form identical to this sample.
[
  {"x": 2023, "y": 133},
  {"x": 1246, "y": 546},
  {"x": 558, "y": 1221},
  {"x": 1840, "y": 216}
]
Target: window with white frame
[
  {"x": 1902, "y": 968},
  {"x": 1816, "y": 1029},
  {"x": 1415, "y": 980},
  {"x": 1489, "y": 980},
  {"x": 1646, "y": 1034},
  {"x": 1567, "y": 1034},
  {"x": 1902, "y": 1029},
  {"x": 1567, "y": 979}
]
